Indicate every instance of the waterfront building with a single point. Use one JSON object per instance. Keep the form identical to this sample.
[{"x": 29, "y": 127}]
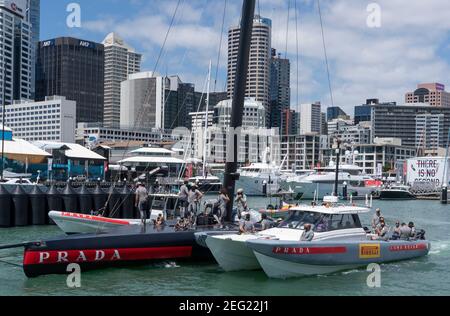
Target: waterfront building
[
  {"x": 300, "y": 152},
  {"x": 73, "y": 68},
  {"x": 22, "y": 157},
  {"x": 258, "y": 80},
  {"x": 337, "y": 125},
  {"x": 280, "y": 91},
  {"x": 363, "y": 113},
  {"x": 71, "y": 160},
  {"x": 373, "y": 158},
  {"x": 404, "y": 121},
  {"x": 16, "y": 52},
  {"x": 310, "y": 118},
  {"x": 50, "y": 120},
  {"x": 433, "y": 94},
  {"x": 91, "y": 134},
  {"x": 121, "y": 60},
  {"x": 289, "y": 122}
]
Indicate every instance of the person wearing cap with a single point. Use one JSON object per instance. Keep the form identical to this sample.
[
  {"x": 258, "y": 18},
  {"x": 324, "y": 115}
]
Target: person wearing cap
[
  {"x": 183, "y": 198},
  {"x": 397, "y": 231},
  {"x": 308, "y": 234},
  {"x": 241, "y": 202},
  {"x": 376, "y": 219},
  {"x": 246, "y": 226},
  {"x": 382, "y": 230},
  {"x": 141, "y": 201}
]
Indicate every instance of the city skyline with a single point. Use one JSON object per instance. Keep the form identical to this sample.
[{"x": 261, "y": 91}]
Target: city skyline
[{"x": 378, "y": 63}]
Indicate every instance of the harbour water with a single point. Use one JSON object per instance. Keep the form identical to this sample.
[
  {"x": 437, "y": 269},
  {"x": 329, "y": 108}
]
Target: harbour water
[{"x": 425, "y": 276}]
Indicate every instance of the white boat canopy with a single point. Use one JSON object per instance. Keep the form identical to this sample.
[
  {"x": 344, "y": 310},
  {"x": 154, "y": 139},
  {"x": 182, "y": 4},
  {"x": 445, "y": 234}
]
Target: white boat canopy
[{"x": 333, "y": 209}]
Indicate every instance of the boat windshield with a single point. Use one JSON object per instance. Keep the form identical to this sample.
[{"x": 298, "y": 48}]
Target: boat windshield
[{"x": 321, "y": 222}]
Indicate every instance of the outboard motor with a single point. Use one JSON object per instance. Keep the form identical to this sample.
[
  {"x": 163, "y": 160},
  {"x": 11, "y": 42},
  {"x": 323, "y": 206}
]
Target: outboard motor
[{"x": 420, "y": 234}]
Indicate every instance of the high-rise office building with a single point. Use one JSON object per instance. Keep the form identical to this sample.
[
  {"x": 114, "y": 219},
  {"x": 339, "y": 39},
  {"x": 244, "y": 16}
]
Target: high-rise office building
[
  {"x": 280, "y": 89},
  {"x": 121, "y": 60},
  {"x": 310, "y": 118},
  {"x": 34, "y": 18},
  {"x": 433, "y": 94},
  {"x": 15, "y": 52},
  {"x": 73, "y": 68},
  {"x": 363, "y": 113},
  {"x": 258, "y": 80},
  {"x": 334, "y": 112}
]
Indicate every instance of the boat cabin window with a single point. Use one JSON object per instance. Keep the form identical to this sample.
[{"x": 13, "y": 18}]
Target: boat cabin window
[{"x": 321, "y": 222}]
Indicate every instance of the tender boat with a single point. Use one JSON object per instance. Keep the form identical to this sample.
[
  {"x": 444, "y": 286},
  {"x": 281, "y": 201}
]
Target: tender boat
[
  {"x": 397, "y": 192},
  {"x": 340, "y": 242}
]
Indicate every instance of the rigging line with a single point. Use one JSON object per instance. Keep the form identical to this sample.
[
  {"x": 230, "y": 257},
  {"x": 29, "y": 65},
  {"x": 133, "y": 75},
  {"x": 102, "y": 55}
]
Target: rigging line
[
  {"x": 287, "y": 29},
  {"x": 220, "y": 44},
  {"x": 325, "y": 53}
]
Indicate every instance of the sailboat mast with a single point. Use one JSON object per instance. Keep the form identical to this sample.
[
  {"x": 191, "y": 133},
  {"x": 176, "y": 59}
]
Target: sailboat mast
[
  {"x": 237, "y": 109},
  {"x": 205, "y": 132}
]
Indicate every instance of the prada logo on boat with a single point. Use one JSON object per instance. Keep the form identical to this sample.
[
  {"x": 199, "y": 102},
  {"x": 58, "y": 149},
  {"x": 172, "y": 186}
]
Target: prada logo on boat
[
  {"x": 408, "y": 247},
  {"x": 104, "y": 255},
  {"x": 308, "y": 250},
  {"x": 369, "y": 251}
]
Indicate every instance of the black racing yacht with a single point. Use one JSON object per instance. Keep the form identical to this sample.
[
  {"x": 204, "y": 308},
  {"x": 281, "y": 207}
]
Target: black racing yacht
[{"x": 136, "y": 244}]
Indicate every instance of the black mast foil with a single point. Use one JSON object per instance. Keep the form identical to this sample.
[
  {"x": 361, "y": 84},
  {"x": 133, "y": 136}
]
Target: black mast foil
[{"x": 237, "y": 110}]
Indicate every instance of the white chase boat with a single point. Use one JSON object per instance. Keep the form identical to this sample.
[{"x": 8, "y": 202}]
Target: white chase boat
[{"x": 340, "y": 243}]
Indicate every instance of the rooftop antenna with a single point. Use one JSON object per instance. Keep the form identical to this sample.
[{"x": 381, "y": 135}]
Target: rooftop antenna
[{"x": 237, "y": 109}]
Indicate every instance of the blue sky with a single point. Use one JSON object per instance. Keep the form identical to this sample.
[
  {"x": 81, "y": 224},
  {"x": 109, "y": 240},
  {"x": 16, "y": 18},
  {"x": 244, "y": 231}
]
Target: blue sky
[{"x": 411, "y": 46}]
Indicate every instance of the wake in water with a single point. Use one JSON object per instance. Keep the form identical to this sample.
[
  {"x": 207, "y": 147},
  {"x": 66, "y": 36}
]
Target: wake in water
[{"x": 438, "y": 247}]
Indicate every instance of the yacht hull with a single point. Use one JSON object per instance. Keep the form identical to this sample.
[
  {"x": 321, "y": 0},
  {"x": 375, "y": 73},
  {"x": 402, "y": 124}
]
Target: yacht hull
[
  {"x": 284, "y": 259},
  {"x": 396, "y": 195},
  {"x": 255, "y": 186},
  {"x": 232, "y": 255},
  {"x": 311, "y": 190}
]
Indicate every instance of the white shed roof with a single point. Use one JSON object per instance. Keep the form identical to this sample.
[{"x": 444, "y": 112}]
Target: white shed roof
[
  {"x": 152, "y": 150},
  {"x": 22, "y": 147},
  {"x": 149, "y": 160},
  {"x": 76, "y": 151}
]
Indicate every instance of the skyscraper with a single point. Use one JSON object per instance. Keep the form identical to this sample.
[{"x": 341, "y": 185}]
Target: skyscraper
[
  {"x": 34, "y": 18},
  {"x": 73, "y": 68},
  {"x": 120, "y": 61},
  {"x": 280, "y": 91},
  {"x": 15, "y": 52},
  {"x": 258, "y": 81},
  {"x": 310, "y": 118}
]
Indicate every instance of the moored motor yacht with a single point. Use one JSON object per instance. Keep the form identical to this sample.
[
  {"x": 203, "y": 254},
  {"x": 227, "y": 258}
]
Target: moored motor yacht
[
  {"x": 321, "y": 183},
  {"x": 397, "y": 192}
]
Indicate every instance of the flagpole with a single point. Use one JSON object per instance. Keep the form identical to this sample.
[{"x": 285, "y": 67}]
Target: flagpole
[{"x": 3, "y": 120}]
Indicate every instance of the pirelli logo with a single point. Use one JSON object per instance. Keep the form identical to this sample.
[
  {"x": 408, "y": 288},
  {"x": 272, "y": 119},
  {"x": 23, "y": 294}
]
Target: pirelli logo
[{"x": 369, "y": 251}]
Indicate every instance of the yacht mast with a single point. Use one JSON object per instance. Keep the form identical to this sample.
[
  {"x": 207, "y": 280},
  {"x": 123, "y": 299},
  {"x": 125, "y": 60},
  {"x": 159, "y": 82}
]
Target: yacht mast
[
  {"x": 205, "y": 132},
  {"x": 237, "y": 109}
]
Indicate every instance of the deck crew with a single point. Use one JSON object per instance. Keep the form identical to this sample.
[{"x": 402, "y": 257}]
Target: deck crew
[
  {"x": 194, "y": 198},
  {"x": 376, "y": 218},
  {"x": 308, "y": 234},
  {"x": 223, "y": 201},
  {"x": 413, "y": 230},
  {"x": 265, "y": 223},
  {"x": 241, "y": 202},
  {"x": 141, "y": 201},
  {"x": 397, "y": 231},
  {"x": 382, "y": 230},
  {"x": 405, "y": 232},
  {"x": 183, "y": 198},
  {"x": 246, "y": 226}
]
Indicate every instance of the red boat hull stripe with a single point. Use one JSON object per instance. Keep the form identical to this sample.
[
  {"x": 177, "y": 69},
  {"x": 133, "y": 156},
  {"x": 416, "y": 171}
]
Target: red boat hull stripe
[
  {"x": 33, "y": 257},
  {"x": 95, "y": 218},
  {"x": 309, "y": 250}
]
